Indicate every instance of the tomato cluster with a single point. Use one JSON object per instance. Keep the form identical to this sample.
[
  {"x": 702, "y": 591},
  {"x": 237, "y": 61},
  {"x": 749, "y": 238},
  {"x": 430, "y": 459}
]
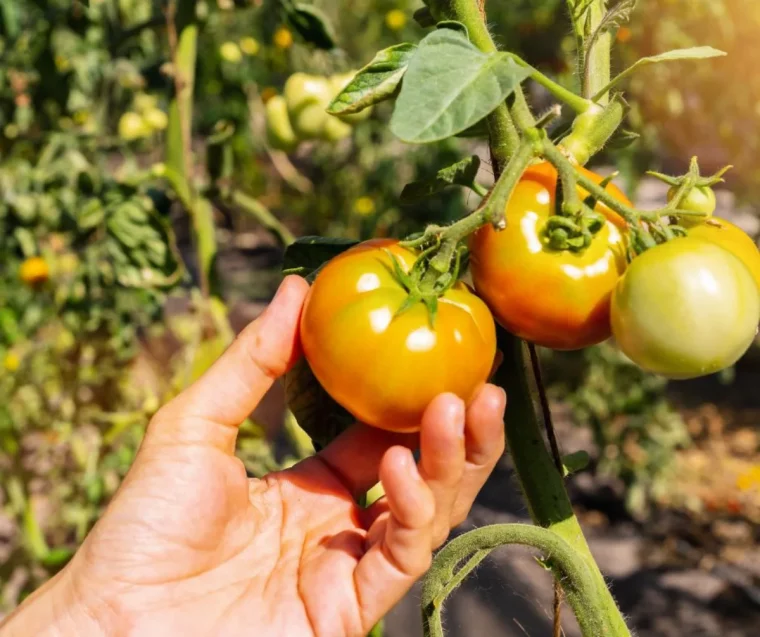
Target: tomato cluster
[
  {"x": 299, "y": 114},
  {"x": 684, "y": 308}
]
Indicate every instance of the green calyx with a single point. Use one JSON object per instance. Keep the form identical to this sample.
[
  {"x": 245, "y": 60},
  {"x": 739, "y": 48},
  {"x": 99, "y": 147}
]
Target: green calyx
[
  {"x": 682, "y": 187},
  {"x": 427, "y": 281},
  {"x": 575, "y": 222}
]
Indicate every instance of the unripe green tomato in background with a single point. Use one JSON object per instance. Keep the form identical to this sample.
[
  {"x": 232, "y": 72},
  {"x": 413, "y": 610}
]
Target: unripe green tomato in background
[
  {"x": 334, "y": 130},
  {"x": 685, "y": 308},
  {"x": 700, "y": 199},
  {"x": 307, "y": 97},
  {"x": 280, "y": 133}
]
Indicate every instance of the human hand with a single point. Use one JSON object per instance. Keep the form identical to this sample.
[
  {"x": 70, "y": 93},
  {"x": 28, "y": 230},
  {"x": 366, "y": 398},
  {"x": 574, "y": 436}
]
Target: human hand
[{"x": 191, "y": 546}]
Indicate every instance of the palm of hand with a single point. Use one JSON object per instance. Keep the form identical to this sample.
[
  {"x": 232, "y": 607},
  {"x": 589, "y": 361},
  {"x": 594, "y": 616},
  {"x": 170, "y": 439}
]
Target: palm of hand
[
  {"x": 277, "y": 554},
  {"x": 191, "y": 546}
]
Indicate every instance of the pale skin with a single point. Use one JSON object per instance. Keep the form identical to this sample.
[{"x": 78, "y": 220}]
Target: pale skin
[{"x": 191, "y": 546}]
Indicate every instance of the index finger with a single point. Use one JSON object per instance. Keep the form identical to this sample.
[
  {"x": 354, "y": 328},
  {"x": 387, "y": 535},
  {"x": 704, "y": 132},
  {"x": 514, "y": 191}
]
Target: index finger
[{"x": 213, "y": 407}]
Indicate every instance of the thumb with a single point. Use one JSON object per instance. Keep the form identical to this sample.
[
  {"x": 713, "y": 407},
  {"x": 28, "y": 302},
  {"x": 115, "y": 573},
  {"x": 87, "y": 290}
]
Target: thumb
[{"x": 211, "y": 409}]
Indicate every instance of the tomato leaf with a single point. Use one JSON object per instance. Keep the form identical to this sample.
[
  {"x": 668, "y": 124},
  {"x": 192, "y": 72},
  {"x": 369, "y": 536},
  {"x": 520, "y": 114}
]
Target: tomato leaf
[
  {"x": 622, "y": 139},
  {"x": 424, "y": 18},
  {"x": 311, "y": 24},
  {"x": 616, "y": 16},
  {"x": 376, "y": 82},
  {"x": 677, "y": 55},
  {"x": 316, "y": 412},
  {"x": 449, "y": 86},
  {"x": 462, "y": 173},
  {"x": 307, "y": 254}
]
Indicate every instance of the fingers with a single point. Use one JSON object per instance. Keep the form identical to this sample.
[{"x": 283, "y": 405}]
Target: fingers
[
  {"x": 212, "y": 408},
  {"x": 458, "y": 452},
  {"x": 484, "y": 443},
  {"x": 442, "y": 458},
  {"x": 399, "y": 543}
]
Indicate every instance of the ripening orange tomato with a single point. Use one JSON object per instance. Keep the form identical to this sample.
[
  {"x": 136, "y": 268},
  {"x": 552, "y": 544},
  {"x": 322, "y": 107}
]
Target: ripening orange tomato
[
  {"x": 546, "y": 174},
  {"x": 386, "y": 368},
  {"x": 554, "y": 298}
]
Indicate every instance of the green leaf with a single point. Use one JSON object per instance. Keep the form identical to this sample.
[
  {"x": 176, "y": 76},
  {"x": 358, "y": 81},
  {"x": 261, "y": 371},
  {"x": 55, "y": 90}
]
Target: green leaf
[
  {"x": 677, "y": 55},
  {"x": 622, "y": 139},
  {"x": 316, "y": 412},
  {"x": 462, "y": 173},
  {"x": 307, "y": 254},
  {"x": 454, "y": 25},
  {"x": 617, "y": 15},
  {"x": 449, "y": 86},
  {"x": 312, "y": 25},
  {"x": 424, "y": 18},
  {"x": 376, "y": 82},
  {"x": 479, "y": 130}
]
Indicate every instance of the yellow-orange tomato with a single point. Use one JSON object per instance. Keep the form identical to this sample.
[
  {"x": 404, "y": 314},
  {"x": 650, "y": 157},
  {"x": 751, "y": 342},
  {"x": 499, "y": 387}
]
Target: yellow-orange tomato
[
  {"x": 34, "y": 270},
  {"x": 733, "y": 239},
  {"x": 386, "y": 368},
  {"x": 546, "y": 174},
  {"x": 557, "y": 299}
]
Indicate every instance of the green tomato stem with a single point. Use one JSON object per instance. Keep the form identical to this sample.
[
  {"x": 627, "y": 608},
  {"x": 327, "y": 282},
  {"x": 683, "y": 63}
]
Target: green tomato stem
[
  {"x": 541, "y": 482},
  {"x": 576, "y": 102},
  {"x": 596, "y": 74},
  {"x": 567, "y": 564}
]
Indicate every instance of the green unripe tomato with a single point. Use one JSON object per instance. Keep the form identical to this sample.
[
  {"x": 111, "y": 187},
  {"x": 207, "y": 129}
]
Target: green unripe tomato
[
  {"x": 334, "y": 130},
  {"x": 307, "y": 97},
  {"x": 302, "y": 90},
  {"x": 700, "y": 199},
  {"x": 685, "y": 308},
  {"x": 338, "y": 83},
  {"x": 280, "y": 133},
  {"x": 309, "y": 121}
]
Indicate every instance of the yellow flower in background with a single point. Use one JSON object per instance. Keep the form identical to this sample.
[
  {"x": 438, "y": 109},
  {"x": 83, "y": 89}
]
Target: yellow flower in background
[
  {"x": 34, "y": 270},
  {"x": 364, "y": 206},
  {"x": 250, "y": 46},
  {"x": 283, "y": 38},
  {"x": 395, "y": 19},
  {"x": 749, "y": 479},
  {"x": 12, "y": 362},
  {"x": 230, "y": 52}
]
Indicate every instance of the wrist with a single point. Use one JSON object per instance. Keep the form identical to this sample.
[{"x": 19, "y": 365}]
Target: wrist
[{"x": 56, "y": 609}]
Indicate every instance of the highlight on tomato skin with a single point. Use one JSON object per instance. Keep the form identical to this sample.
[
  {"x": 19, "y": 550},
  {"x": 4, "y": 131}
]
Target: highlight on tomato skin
[
  {"x": 386, "y": 368},
  {"x": 732, "y": 238},
  {"x": 686, "y": 308},
  {"x": 556, "y": 299},
  {"x": 546, "y": 174}
]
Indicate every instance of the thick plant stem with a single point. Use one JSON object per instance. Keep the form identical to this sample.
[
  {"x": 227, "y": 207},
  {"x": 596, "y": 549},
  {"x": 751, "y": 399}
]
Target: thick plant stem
[
  {"x": 541, "y": 482},
  {"x": 445, "y": 574},
  {"x": 501, "y": 127},
  {"x": 182, "y": 29},
  {"x": 597, "y": 72}
]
